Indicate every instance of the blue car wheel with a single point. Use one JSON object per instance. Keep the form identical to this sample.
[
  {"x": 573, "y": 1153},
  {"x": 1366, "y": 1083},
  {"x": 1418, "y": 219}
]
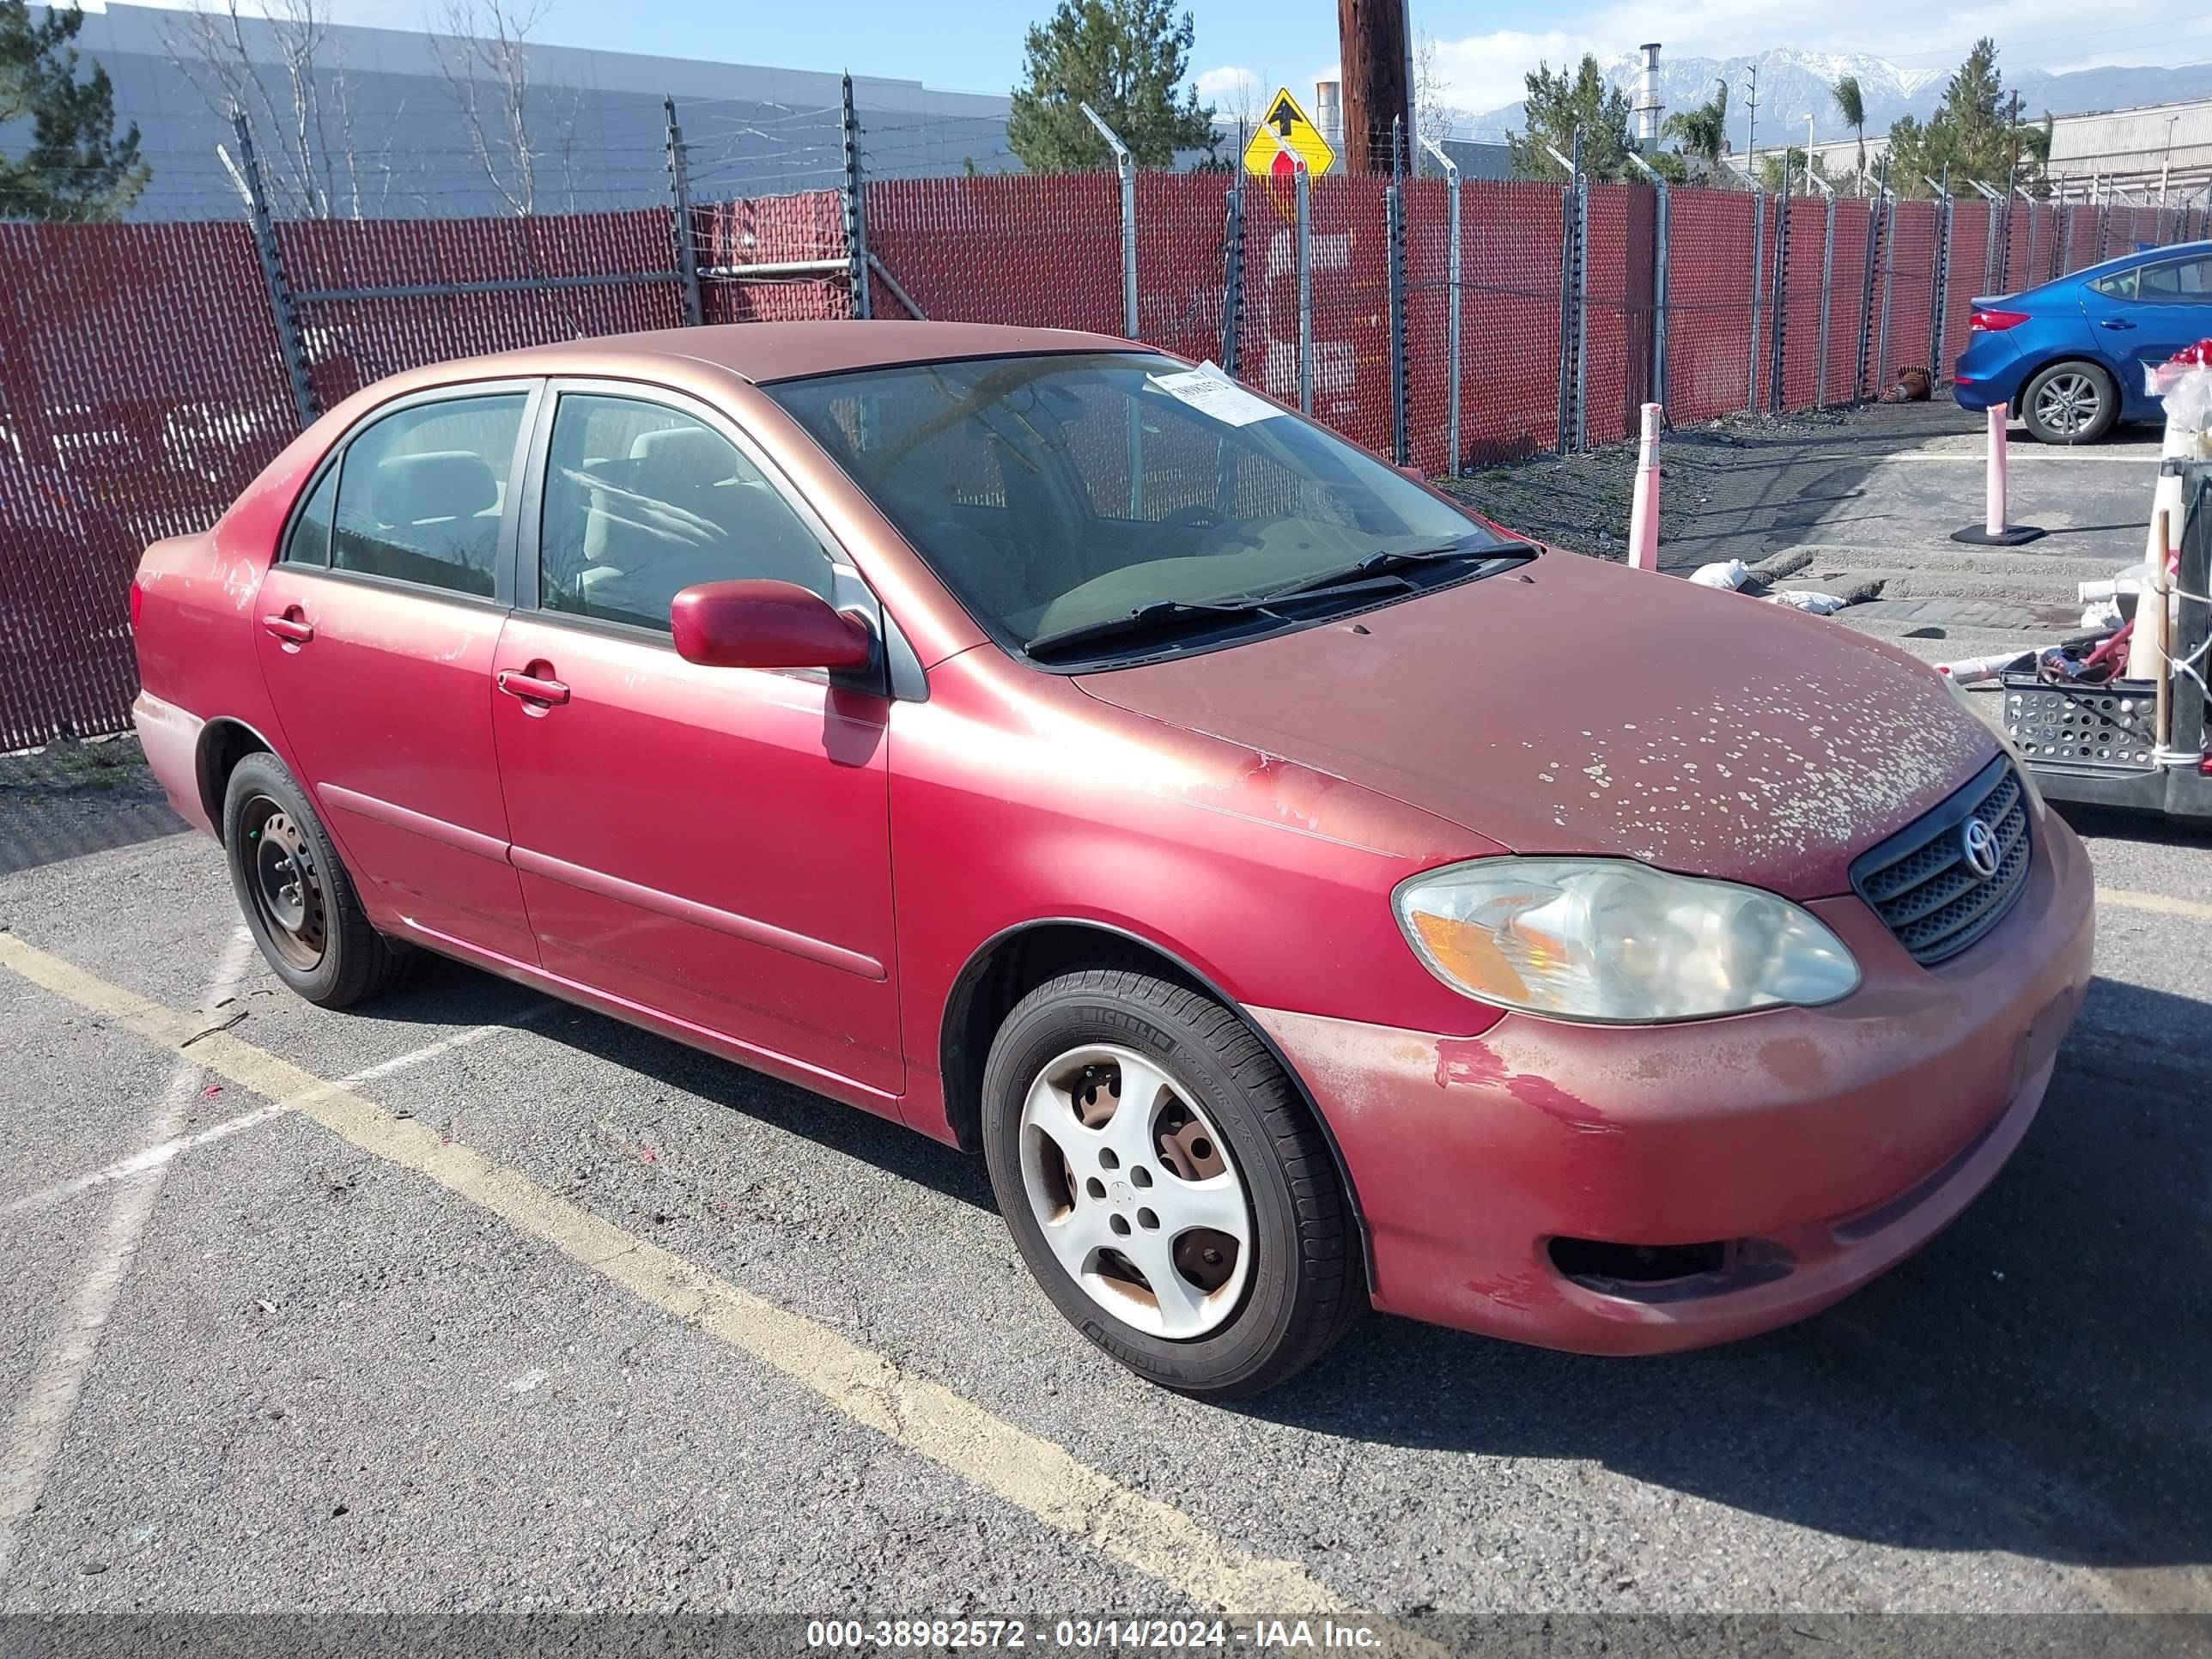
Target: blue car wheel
[{"x": 2070, "y": 403}]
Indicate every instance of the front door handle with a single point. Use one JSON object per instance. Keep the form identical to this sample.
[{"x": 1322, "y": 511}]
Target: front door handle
[
  {"x": 290, "y": 626},
  {"x": 2118, "y": 322},
  {"x": 531, "y": 688}
]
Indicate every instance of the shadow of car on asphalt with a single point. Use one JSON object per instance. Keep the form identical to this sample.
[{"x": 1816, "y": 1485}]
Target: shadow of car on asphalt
[{"x": 2033, "y": 1380}]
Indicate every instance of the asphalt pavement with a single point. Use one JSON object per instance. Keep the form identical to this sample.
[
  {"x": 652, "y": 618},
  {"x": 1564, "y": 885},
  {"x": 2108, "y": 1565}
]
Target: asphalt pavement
[{"x": 468, "y": 1300}]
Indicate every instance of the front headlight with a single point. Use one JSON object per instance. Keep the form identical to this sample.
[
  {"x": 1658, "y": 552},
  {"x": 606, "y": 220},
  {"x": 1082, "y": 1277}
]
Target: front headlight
[{"x": 1613, "y": 941}]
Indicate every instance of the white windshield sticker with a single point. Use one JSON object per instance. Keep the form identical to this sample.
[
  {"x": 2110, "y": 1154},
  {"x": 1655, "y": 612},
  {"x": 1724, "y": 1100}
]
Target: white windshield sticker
[{"x": 1210, "y": 391}]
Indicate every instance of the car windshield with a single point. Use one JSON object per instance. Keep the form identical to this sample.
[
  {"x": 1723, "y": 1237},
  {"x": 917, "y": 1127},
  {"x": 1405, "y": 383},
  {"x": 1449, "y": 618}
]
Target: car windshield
[{"x": 1060, "y": 496}]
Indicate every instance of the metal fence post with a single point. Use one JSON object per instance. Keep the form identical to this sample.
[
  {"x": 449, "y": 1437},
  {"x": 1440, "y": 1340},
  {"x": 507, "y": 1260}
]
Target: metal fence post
[
  {"x": 1882, "y": 364},
  {"x": 1866, "y": 293},
  {"x": 1658, "y": 277},
  {"x": 273, "y": 273},
  {"x": 679, "y": 186},
  {"x": 1827, "y": 282},
  {"x": 1126, "y": 165},
  {"x": 1304, "y": 189},
  {"x": 1570, "y": 293},
  {"x": 1757, "y": 256},
  {"x": 1939, "y": 277},
  {"x": 1451, "y": 324},
  {"x": 1394, "y": 228},
  {"x": 1581, "y": 301},
  {"x": 1232, "y": 283},
  {"x": 1779, "y": 327},
  {"x": 856, "y": 218},
  {"x": 1567, "y": 315}
]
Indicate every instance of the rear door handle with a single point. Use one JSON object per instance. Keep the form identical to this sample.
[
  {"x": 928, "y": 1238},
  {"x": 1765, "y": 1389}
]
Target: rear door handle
[
  {"x": 290, "y": 626},
  {"x": 2118, "y": 322},
  {"x": 530, "y": 688}
]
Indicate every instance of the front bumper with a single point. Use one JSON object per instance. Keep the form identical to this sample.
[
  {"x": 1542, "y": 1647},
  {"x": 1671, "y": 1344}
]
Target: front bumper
[{"x": 1823, "y": 1144}]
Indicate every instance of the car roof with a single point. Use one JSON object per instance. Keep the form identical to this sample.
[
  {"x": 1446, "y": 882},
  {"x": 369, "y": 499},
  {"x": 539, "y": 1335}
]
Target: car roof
[
  {"x": 2129, "y": 260},
  {"x": 762, "y": 352}
]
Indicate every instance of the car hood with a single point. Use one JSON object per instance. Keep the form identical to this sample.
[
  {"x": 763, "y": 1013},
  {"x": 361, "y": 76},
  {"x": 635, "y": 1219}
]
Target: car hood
[{"x": 1576, "y": 707}]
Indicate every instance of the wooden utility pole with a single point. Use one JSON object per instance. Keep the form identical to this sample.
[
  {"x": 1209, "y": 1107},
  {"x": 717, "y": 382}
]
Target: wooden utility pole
[{"x": 1377, "y": 80}]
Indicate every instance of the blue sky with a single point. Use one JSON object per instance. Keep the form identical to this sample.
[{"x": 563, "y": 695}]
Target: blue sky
[{"x": 1483, "y": 49}]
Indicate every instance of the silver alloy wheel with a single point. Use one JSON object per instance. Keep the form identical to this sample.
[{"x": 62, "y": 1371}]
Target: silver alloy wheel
[
  {"x": 2067, "y": 404},
  {"x": 1135, "y": 1191}
]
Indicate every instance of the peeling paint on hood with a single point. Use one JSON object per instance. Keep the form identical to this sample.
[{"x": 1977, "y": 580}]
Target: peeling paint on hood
[{"x": 1593, "y": 710}]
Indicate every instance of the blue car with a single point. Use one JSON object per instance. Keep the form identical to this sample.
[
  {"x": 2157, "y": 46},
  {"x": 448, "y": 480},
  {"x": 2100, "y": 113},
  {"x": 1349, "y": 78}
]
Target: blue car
[{"x": 2069, "y": 358}]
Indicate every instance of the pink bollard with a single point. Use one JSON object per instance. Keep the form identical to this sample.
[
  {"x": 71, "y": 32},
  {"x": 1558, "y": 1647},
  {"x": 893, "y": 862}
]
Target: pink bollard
[
  {"x": 1644, "y": 508},
  {"x": 1993, "y": 530},
  {"x": 1993, "y": 517}
]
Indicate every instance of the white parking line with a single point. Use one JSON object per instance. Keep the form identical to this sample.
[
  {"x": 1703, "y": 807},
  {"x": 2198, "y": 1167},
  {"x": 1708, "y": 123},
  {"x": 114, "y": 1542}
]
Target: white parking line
[
  {"x": 43, "y": 1416},
  {"x": 154, "y": 1157},
  {"x": 2157, "y": 903},
  {"x": 912, "y": 1410}
]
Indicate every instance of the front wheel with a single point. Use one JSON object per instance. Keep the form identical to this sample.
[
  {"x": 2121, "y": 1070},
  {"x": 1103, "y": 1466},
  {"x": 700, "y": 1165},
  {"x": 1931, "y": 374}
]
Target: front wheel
[
  {"x": 2071, "y": 403},
  {"x": 1165, "y": 1184},
  {"x": 298, "y": 902}
]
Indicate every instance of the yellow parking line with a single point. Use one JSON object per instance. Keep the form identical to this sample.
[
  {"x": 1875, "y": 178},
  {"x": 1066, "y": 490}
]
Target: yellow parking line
[
  {"x": 2157, "y": 902},
  {"x": 922, "y": 1415}
]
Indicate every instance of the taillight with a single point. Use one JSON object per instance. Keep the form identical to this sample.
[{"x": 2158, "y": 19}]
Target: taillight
[
  {"x": 137, "y": 602},
  {"x": 1994, "y": 322}
]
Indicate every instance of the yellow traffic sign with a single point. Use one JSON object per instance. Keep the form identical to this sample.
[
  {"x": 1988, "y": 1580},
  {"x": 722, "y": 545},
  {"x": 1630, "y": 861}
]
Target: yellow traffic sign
[{"x": 1284, "y": 133}]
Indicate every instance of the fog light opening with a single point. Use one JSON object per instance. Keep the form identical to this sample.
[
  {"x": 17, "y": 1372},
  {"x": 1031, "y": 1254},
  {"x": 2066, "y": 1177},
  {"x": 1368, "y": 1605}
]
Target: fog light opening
[{"x": 1593, "y": 1261}]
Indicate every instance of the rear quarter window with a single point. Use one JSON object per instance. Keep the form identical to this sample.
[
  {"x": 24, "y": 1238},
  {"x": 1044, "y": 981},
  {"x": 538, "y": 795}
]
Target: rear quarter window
[
  {"x": 309, "y": 543},
  {"x": 421, "y": 493}
]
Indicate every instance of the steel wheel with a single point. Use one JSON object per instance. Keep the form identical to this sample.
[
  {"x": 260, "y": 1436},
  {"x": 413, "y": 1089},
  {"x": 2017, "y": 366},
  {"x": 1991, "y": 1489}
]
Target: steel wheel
[
  {"x": 1133, "y": 1187},
  {"x": 2067, "y": 405},
  {"x": 286, "y": 886}
]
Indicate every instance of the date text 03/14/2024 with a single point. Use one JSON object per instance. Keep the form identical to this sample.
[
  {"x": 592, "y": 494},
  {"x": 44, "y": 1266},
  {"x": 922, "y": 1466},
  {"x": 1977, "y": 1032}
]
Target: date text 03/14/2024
[{"x": 1088, "y": 1635}]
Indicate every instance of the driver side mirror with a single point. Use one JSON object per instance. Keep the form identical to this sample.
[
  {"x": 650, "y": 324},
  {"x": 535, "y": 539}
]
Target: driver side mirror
[{"x": 766, "y": 624}]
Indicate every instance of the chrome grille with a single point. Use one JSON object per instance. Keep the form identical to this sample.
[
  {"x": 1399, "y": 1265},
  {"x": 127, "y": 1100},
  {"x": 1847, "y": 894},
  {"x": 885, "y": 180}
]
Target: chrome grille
[{"x": 1919, "y": 883}]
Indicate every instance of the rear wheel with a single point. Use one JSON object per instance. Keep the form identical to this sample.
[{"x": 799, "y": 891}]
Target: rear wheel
[
  {"x": 298, "y": 902},
  {"x": 2070, "y": 403},
  {"x": 1165, "y": 1185}
]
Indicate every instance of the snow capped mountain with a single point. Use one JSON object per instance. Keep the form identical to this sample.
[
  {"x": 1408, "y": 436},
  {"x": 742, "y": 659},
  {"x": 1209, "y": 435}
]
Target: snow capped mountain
[
  {"x": 1791, "y": 86},
  {"x": 1794, "y": 84}
]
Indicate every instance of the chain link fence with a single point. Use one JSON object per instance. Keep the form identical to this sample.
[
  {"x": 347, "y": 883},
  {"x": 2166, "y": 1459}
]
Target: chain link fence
[{"x": 148, "y": 371}]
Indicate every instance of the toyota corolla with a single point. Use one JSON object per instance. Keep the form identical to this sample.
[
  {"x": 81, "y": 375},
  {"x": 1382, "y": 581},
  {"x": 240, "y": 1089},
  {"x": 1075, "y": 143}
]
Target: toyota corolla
[{"x": 1301, "y": 892}]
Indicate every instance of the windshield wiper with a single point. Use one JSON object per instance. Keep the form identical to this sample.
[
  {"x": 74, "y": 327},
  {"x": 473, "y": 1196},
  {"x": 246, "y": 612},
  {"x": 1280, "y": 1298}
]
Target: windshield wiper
[
  {"x": 1161, "y": 615},
  {"x": 1389, "y": 562}
]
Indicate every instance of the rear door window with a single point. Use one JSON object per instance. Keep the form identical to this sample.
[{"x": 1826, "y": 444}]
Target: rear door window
[
  {"x": 2183, "y": 282},
  {"x": 421, "y": 493}
]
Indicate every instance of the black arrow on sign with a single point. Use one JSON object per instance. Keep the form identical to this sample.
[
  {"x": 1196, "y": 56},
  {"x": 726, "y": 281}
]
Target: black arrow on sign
[{"x": 1283, "y": 116}]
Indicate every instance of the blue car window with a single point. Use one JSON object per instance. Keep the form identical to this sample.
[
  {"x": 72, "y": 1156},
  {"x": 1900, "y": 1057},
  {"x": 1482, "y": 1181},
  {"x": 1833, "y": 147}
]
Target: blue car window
[
  {"x": 2185, "y": 282},
  {"x": 2120, "y": 285}
]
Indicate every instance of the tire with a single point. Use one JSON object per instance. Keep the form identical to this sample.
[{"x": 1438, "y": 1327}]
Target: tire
[
  {"x": 1292, "y": 1285},
  {"x": 2070, "y": 403},
  {"x": 283, "y": 865}
]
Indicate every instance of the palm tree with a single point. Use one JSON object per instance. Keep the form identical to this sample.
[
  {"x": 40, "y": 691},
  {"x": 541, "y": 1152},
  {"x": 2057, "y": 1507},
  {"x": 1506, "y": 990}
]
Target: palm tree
[
  {"x": 1703, "y": 129},
  {"x": 1850, "y": 104}
]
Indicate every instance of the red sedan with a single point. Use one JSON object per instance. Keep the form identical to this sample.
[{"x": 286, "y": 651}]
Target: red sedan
[{"x": 1303, "y": 892}]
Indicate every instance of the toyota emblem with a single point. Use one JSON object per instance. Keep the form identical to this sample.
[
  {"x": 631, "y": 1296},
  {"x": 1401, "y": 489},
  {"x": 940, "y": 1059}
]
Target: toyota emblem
[{"x": 1978, "y": 845}]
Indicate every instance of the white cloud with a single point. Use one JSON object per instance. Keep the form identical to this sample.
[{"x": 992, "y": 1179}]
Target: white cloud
[
  {"x": 1222, "y": 85},
  {"x": 1484, "y": 71}
]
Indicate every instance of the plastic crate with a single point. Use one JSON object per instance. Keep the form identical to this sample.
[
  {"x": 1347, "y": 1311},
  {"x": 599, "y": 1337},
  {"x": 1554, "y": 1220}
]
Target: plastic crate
[{"x": 2109, "y": 727}]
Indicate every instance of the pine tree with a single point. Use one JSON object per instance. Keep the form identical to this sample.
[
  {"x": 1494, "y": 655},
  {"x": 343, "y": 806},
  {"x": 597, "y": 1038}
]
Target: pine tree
[
  {"x": 1125, "y": 58},
  {"x": 75, "y": 167},
  {"x": 1555, "y": 105},
  {"x": 1971, "y": 135}
]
